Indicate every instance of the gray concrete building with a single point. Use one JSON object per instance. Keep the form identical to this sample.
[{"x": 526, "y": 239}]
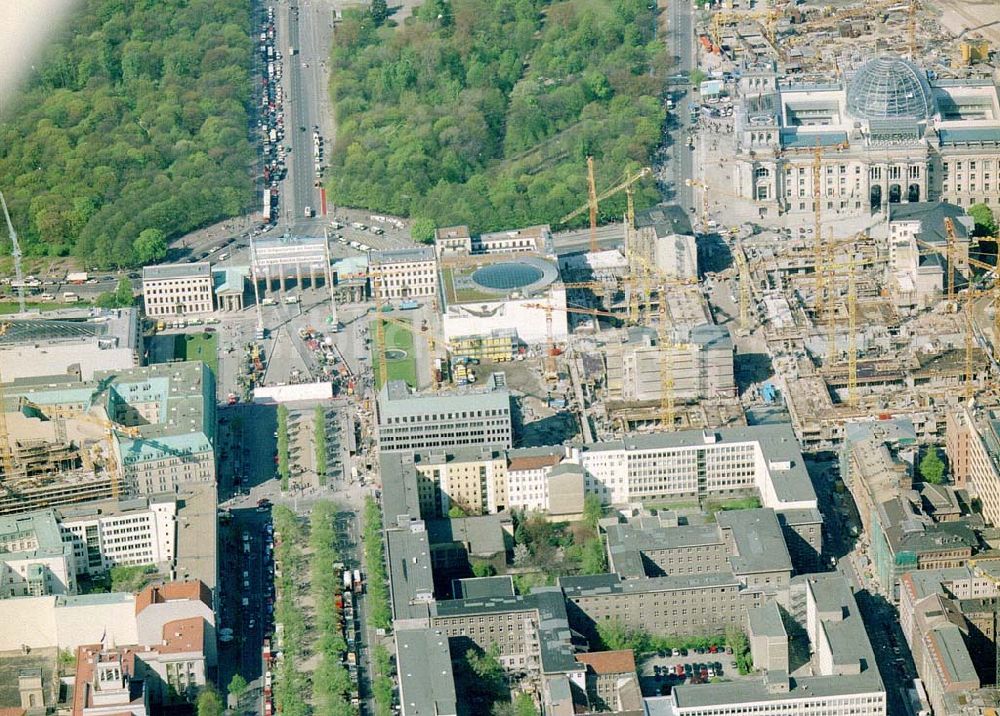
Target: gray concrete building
[
  {"x": 839, "y": 676},
  {"x": 416, "y": 422},
  {"x": 426, "y": 679},
  {"x": 748, "y": 544},
  {"x": 682, "y": 605}
]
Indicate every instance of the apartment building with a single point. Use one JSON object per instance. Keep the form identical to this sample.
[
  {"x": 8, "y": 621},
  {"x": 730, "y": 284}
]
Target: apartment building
[
  {"x": 954, "y": 652},
  {"x": 472, "y": 479},
  {"x": 528, "y": 476},
  {"x": 403, "y": 273},
  {"x": 612, "y": 682},
  {"x": 172, "y": 290},
  {"x": 34, "y": 560},
  {"x": 142, "y": 530},
  {"x": 842, "y": 679},
  {"x": 446, "y": 420},
  {"x": 973, "y": 446}
]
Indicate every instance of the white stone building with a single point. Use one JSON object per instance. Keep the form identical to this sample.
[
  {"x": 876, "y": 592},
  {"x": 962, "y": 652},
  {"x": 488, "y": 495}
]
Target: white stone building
[
  {"x": 130, "y": 532},
  {"x": 887, "y": 135},
  {"x": 173, "y": 290},
  {"x": 404, "y": 273}
]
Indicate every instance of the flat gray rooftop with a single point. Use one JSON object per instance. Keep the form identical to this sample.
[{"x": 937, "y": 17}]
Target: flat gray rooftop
[
  {"x": 199, "y": 269},
  {"x": 777, "y": 443},
  {"x": 848, "y": 643},
  {"x": 396, "y": 400},
  {"x": 197, "y": 536},
  {"x": 426, "y": 679},
  {"x": 399, "y": 486},
  {"x": 608, "y": 584},
  {"x": 760, "y": 543},
  {"x": 409, "y": 565},
  {"x": 766, "y": 620},
  {"x": 401, "y": 256}
]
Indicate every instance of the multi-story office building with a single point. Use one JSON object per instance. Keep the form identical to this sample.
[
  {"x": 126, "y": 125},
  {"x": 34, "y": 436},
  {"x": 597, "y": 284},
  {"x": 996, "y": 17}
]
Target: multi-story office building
[
  {"x": 682, "y": 605},
  {"x": 918, "y": 275},
  {"x": 447, "y": 420},
  {"x": 903, "y": 539},
  {"x": 458, "y": 240},
  {"x": 531, "y": 632},
  {"x": 403, "y": 273},
  {"x": 695, "y": 464},
  {"x": 172, "y": 290},
  {"x": 142, "y": 530},
  {"x": 83, "y": 344},
  {"x": 531, "y": 239},
  {"x": 842, "y": 680},
  {"x": 34, "y": 560},
  {"x": 749, "y": 544},
  {"x": 170, "y": 660},
  {"x": 876, "y": 463}
]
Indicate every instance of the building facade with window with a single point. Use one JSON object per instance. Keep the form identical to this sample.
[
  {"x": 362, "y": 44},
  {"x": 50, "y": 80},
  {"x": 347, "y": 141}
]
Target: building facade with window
[
  {"x": 173, "y": 290},
  {"x": 403, "y": 273},
  {"x": 34, "y": 560},
  {"x": 887, "y": 135},
  {"x": 111, "y": 534},
  {"x": 417, "y": 422}
]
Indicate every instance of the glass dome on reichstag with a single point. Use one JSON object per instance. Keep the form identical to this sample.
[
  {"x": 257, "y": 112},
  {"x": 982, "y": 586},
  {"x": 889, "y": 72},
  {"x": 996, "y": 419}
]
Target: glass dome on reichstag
[{"x": 890, "y": 88}]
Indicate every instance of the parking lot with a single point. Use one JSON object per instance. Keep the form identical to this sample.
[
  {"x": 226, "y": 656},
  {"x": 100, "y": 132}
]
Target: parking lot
[{"x": 658, "y": 674}]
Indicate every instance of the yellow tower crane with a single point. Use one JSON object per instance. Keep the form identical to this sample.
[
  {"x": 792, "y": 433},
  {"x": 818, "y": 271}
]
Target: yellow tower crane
[
  {"x": 594, "y": 198},
  {"x": 6, "y": 449},
  {"x": 592, "y": 203}
]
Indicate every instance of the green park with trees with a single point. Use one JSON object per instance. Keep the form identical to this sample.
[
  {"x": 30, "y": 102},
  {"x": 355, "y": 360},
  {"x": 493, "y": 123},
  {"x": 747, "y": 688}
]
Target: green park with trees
[
  {"x": 132, "y": 130},
  {"x": 483, "y": 112}
]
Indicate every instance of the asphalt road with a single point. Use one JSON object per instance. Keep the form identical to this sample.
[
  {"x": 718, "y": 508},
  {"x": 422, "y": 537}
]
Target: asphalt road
[
  {"x": 881, "y": 618},
  {"x": 680, "y": 43}
]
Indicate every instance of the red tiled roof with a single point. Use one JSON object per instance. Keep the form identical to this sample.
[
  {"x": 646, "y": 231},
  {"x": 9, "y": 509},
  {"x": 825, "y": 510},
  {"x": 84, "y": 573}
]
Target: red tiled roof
[
  {"x": 171, "y": 591},
  {"x": 533, "y": 463},
  {"x": 183, "y": 635},
  {"x": 12, "y": 711},
  {"x": 609, "y": 662}
]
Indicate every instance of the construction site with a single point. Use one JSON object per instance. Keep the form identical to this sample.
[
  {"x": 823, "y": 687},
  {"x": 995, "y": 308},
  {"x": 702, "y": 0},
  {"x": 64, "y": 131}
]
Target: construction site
[{"x": 139, "y": 431}]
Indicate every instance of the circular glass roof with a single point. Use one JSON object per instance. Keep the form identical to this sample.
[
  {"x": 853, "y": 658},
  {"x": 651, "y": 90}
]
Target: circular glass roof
[
  {"x": 890, "y": 88},
  {"x": 507, "y": 276}
]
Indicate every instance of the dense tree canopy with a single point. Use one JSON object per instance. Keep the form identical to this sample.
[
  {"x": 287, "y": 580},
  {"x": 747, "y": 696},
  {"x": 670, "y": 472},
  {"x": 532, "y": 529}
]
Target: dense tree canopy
[
  {"x": 483, "y": 111},
  {"x": 135, "y": 120}
]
